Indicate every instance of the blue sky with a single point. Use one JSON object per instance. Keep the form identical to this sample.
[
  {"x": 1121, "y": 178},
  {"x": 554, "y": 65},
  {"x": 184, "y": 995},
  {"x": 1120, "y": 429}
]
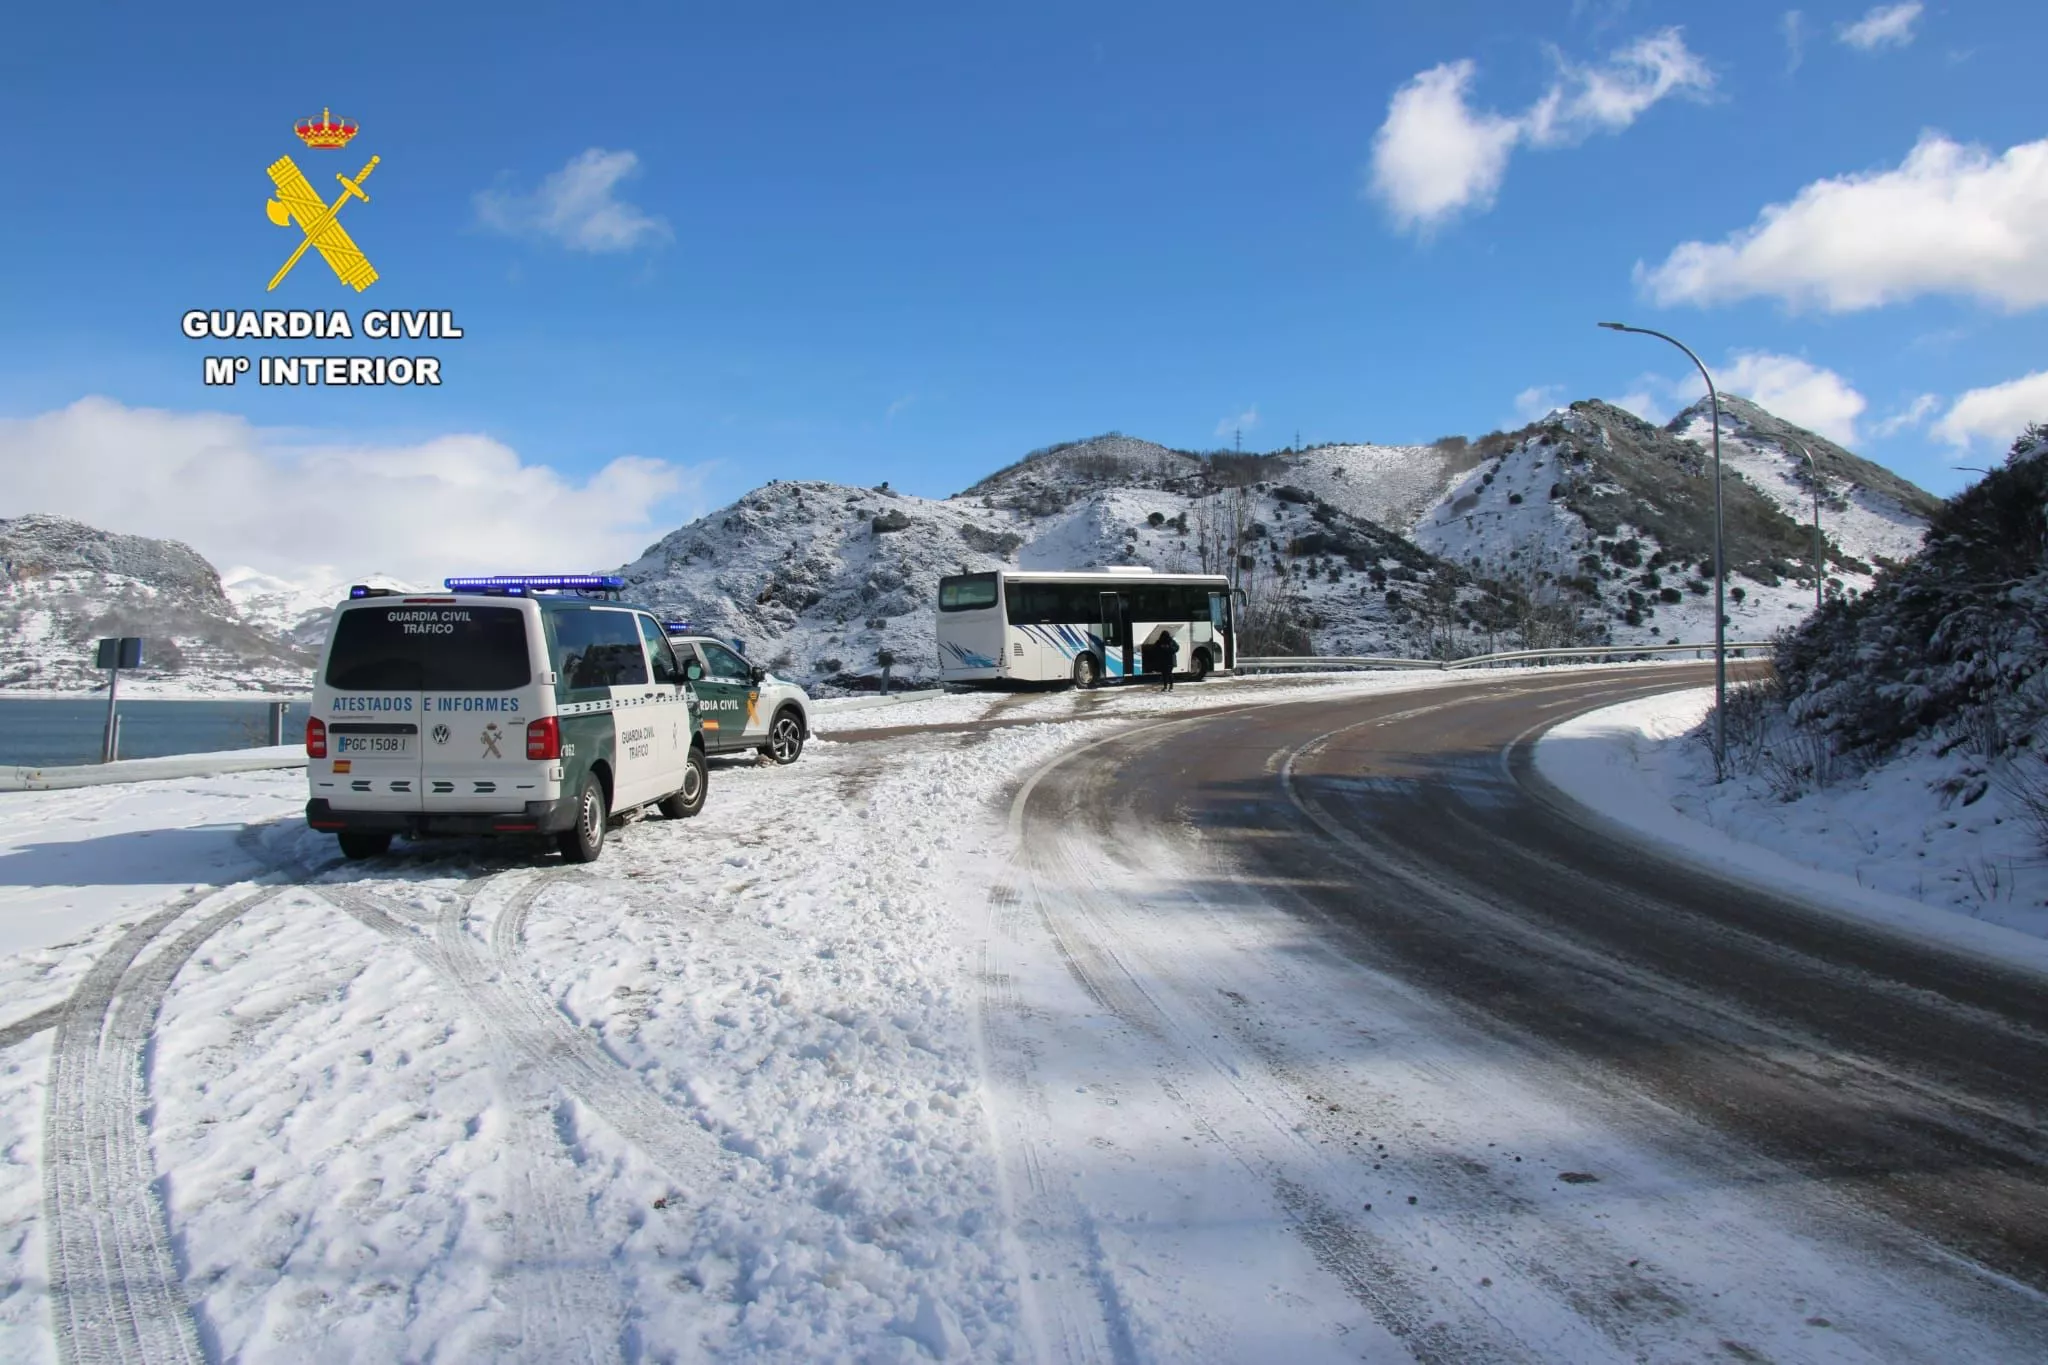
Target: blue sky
[{"x": 911, "y": 242}]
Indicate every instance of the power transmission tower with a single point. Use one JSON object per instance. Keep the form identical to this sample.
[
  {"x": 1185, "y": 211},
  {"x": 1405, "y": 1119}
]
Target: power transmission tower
[{"x": 1239, "y": 440}]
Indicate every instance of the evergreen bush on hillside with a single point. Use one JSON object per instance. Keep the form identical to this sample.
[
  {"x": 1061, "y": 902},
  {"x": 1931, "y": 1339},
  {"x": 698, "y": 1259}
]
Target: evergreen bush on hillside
[{"x": 1955, "y": 637}]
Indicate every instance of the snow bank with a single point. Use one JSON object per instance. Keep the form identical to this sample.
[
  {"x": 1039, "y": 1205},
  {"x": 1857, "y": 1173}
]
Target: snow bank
[{"x": 1881, "y": 849}]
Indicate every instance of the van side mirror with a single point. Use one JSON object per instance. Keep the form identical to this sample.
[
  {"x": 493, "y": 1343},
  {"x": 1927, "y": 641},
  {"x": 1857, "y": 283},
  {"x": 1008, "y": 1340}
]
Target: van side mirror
[{"x": 755, "y": 673}]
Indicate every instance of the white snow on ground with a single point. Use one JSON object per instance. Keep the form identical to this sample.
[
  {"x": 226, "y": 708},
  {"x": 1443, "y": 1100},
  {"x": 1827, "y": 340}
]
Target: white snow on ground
[
  {"x": 1884, "y": 844},
  {"x": 723, "y": 1095},
  {"x": 362, "y": 1162}
]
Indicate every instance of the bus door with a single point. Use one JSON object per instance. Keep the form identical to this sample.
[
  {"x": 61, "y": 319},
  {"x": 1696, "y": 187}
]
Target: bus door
[
  {"x": 1116, "y": 641},
  {"x": 1219, "y": 622}
]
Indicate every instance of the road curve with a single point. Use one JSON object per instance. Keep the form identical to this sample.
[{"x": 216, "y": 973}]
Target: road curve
[{"x": 1902, "y": 1084}]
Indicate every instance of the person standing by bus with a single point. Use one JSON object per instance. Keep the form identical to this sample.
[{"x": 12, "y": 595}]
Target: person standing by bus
[{"x": 1166, "y": 650}]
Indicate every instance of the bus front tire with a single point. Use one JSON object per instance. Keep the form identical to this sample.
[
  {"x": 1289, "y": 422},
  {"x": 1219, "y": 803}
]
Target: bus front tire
[
  {"x": 1198, "y": 667},
  {"x": 584, "y": 840},
  {"x": 696, "y": 785},
  {"x": 1085, "y": 672},
  {"x": 363, "y": 844}
]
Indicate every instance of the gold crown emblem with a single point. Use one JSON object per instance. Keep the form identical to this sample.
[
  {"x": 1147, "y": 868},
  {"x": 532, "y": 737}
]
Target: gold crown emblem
[{"x": 326, "y": 134}]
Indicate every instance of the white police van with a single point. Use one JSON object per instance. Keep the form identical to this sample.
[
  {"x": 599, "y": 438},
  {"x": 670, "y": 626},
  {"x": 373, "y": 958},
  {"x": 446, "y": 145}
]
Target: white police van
[
  {"x": 741, "y": 706},
  {"x": 507, "y": 705}
]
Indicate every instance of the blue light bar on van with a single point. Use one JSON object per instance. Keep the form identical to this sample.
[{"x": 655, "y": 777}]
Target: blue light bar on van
[
  {"x": 678, "y": 627},
  {"x": 538, "y": 582}
]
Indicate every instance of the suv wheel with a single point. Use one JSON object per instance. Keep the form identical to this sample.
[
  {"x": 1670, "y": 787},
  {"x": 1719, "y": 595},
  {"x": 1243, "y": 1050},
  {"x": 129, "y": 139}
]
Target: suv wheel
[
  {"x": 364, "y": 844},
  {"x": 696, "y": 785},
  {"x": 584, "y": 840},
  {"x": 785, "y": 737},
  {"x": 1085, "y": 672}
]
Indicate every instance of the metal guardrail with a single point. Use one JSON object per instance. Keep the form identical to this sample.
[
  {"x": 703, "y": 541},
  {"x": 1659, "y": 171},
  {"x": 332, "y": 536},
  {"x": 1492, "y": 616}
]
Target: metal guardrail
[{"x": 1283, "y": 662}]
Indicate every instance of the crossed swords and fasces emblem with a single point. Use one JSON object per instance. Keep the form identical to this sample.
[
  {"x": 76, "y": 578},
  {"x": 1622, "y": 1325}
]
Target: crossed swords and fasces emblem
[
  {"x": 490, "y": 734},
  {"x": 320, "y": 222}
]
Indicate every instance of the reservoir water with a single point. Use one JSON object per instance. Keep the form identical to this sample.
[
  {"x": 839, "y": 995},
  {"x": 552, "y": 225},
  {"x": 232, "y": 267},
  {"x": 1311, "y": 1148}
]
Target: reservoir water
[{"x": 38, "y": 732}]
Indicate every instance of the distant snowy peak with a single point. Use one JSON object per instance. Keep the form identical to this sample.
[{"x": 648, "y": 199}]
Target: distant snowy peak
[
  {"x": 1874, "y": 514},
  {"x": 298, "y": 611},
  {"x": 1051, "y": 478}
]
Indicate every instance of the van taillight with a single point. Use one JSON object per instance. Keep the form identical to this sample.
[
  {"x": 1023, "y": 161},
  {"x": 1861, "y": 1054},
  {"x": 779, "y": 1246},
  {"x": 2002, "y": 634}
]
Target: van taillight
[
  {"x": 316, "y": 737},
  {"x": 543, "y": 738}
]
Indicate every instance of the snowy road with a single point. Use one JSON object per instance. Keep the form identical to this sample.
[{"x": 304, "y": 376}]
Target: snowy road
[
  {"x": 1316, "y": 1035},
  {"x": 1267, "y": 1020}
]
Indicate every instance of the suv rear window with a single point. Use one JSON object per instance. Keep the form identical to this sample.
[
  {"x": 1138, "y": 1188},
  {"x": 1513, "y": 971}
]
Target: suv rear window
[{"x": 435, "y": 648}]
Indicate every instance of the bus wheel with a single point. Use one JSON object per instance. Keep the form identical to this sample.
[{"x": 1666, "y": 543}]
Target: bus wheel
[
  {"x": 1084, "y": 672},
  {"x": 1199, "y": 665}
]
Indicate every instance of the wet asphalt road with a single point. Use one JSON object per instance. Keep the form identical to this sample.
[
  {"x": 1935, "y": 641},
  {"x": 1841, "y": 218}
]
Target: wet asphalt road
[{"x": 1410, "y": 828}]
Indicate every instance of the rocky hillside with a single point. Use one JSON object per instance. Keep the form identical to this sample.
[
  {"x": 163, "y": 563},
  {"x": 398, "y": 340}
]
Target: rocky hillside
[
  {"x": 1614, "y": 516},
  {"x": 821, "y": 579},
  {"x": 64, "y": 584}
]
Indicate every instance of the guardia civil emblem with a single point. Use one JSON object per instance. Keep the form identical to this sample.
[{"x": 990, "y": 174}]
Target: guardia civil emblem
[{"x": 319, "y": 222}]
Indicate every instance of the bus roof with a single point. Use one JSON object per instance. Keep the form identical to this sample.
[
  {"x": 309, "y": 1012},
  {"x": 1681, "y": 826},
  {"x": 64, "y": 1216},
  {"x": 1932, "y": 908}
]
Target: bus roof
[{"x": 1098, "y": 576}]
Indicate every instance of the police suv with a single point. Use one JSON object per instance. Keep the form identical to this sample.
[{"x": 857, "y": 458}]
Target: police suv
[
  {"x": 507, "y": 705},
  {"x": 740, "y": 705}
]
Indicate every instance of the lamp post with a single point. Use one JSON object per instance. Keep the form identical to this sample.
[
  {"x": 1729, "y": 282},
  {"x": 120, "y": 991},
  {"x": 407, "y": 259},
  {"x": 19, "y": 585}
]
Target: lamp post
[
  {"x": 1819, "y": 564},
  {"x": 1720, "y": 562}
]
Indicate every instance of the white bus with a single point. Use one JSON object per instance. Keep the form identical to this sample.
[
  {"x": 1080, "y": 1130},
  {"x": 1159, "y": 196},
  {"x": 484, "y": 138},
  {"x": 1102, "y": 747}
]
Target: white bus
[{"x": 1031, "y": 626}]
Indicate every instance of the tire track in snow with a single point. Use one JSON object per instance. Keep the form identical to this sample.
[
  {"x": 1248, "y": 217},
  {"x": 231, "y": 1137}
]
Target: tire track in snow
[
  {"x": 541, "y": 1045},
  {"x": 1230, "y": 1094},
  {"x": 116, "y": 1293},
  {"x": 568, "y": 1306}
]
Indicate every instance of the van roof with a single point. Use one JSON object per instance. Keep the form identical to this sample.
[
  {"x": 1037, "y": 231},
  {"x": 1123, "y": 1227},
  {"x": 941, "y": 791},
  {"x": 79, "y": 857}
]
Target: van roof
[{"x": 546, "y": 601}]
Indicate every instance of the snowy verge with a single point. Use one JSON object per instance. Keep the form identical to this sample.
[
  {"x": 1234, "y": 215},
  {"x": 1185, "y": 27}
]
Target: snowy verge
[
  {"x": 15, "y": 779},
  {"x": 1861, "y": 849}
]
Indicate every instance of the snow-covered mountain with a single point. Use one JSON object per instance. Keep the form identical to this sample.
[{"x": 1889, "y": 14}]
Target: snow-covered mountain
[
  {"x": 820, "y": 580},
  {"x": 297, "y": 612},
  {"x": 64, "y": 584},
  {"x": 1616, "y": 516},
  {"x": 1591, "y": 525}
]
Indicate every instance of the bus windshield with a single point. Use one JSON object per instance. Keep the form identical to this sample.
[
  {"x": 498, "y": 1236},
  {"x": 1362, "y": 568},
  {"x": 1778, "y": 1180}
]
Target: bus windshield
[{"x": 967, "y": 592}]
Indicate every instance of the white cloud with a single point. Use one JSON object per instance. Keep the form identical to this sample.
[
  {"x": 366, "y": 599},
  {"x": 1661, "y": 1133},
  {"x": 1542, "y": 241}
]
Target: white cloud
[
  {"x": 1796, "y": 390},
  {"x": 1950, "y": 220},
  {"x": 1793, "y": 25},
  {"x": 577, "y": 206},
  {"x": 1645, "y": 405},
  {"x": 314, "y": 513},
  {"x": 1883, "y": 26},
  {"x": 899, "y": 407},
  {"x": 1912, "y": 415},
  {"x": 1996, "y": 414},
  {"x": 1538, "y": 401},
  {"x": 1243, "y": 421},
  {"x": 1608, "y": 98},
  {"x": 1436, "y": 156}
]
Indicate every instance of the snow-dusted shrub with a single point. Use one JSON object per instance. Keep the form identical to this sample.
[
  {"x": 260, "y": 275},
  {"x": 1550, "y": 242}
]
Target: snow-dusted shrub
[{"x": 1962, "y": 625}]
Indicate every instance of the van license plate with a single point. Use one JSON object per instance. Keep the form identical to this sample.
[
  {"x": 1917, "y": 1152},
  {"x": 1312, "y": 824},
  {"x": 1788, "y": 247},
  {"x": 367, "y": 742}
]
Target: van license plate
[{"x": 373, "y": 745}]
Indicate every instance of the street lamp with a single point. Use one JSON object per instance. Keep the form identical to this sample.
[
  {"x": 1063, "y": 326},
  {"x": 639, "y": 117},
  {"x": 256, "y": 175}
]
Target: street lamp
[
  {"x": 1819, "y": 564},
  {"x": 1720, "y": 563}
]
